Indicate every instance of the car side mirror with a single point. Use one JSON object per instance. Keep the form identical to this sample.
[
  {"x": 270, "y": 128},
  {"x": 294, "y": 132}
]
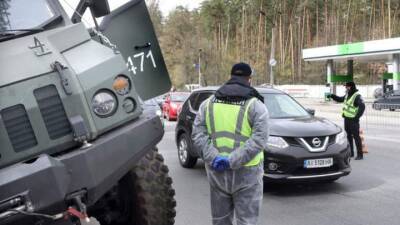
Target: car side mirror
[
  {"x": 311, "y": 111},
  {"x": 100, "y": 8}
]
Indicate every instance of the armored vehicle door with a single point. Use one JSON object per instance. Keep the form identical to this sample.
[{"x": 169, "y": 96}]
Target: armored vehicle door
[{"x": 130, "y": 28}]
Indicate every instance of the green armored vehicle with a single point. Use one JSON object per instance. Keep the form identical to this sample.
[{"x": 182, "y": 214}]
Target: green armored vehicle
[{"x": 74, "y": 141}]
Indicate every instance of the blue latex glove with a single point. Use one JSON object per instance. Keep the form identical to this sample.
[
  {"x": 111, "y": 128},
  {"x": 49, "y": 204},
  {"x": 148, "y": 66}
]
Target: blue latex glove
[
  {"x": 220, "y": 163},
  {"x": 216, "y": 164},
  {"x": 225, "y": 163}
]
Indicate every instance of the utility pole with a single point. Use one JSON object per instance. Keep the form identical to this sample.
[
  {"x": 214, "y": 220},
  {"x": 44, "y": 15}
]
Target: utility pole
[
  {"x": 199, "y": 67},
  {"x": 272, "y": 61}
]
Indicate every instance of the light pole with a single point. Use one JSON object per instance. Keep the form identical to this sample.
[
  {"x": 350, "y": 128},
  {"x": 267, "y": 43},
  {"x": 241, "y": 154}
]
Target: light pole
[
  {"x": 199, "y": 67},
  {"x": 272, "y": 61}
]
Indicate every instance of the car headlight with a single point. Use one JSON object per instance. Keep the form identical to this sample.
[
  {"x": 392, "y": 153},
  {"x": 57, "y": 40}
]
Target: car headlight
[
  {"x": 159, "y": 113},
  {"x": 277, "y": 142},
  {"x": 104, "y": 103},
  {"x": 341, "y": 138}
]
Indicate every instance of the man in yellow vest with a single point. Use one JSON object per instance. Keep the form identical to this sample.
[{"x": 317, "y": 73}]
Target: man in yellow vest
[
  {"x": 231, "y": 132},
  {"x": 353, "y": 109}
]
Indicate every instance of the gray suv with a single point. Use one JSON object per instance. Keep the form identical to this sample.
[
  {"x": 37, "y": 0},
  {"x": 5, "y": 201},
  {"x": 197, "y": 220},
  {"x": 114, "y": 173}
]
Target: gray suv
[{"x": 301, "y": 146}]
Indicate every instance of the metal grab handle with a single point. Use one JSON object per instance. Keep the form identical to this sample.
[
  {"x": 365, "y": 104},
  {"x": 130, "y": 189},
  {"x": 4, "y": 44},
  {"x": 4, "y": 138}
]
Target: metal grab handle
[
  {"x": 137, "y": 47},
  {"x": 59, "y": 68}
]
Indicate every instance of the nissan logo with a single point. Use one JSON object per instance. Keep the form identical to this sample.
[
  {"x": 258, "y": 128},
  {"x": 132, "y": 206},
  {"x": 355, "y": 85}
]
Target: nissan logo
[{"x": 316, "y": 142}]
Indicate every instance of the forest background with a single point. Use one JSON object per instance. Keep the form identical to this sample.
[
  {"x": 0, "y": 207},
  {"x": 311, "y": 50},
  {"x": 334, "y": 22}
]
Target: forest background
[{"x": 223, "y": 32}]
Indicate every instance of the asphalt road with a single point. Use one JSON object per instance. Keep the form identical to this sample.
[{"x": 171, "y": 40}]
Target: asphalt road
[{"x": 370, "y": 195}]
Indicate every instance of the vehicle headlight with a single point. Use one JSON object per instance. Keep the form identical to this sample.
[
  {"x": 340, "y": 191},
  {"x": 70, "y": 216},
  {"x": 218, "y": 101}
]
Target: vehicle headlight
[
  {"x": 104, "y": 103},
  {"x": 277, "y": 142},
  {"x": 341, "y": 138},
  {"x": 159, "y": 113}
]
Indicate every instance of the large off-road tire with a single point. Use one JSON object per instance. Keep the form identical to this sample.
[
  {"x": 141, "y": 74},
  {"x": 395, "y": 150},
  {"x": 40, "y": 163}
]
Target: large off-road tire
[{"x": 144, "y": 196}]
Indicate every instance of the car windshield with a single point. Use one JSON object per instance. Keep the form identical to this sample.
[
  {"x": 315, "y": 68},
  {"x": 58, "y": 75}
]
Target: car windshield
[
  {"x": 179, "y": 97},
  {"x": 283, "y": 106},
  {"x": 23, "y": 14}
]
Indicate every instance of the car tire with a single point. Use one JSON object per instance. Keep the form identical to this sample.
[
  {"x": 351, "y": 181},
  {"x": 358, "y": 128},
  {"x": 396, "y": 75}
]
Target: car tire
[
  {"x": 377, "y": 107},
  {"x": 185, "y": 159},
  {"x": 143, "y": 196}
]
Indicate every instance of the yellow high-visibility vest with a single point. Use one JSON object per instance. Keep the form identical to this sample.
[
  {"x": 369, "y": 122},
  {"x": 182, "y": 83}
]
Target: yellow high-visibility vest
[
  {"x": 229, "y": 128},
  {"x": 349, "y": 110}
]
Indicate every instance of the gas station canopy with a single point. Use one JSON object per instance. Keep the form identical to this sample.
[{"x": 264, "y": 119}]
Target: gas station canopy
[
  {"x": 378, "y": 50},
  {"x": 386, "y": 50}
]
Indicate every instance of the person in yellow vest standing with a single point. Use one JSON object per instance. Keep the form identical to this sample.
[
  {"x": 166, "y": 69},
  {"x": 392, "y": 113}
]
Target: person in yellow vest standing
[
  {"x": 231, "y": 132},
  {"x": 353, "y": 109}
]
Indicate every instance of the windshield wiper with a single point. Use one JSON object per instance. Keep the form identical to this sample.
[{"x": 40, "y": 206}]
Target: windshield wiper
[
  {"x": 9, "y": 34},
  {"x": 6, "y": 32}
]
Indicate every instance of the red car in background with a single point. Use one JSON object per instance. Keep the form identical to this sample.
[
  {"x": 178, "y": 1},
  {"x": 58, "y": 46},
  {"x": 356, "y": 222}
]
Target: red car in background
[{"x": 173, "y": 103}]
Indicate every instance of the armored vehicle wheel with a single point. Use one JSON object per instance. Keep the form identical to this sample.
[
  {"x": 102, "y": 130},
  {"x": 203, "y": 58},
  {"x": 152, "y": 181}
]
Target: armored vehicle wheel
[{"x": 144, "y": 196}]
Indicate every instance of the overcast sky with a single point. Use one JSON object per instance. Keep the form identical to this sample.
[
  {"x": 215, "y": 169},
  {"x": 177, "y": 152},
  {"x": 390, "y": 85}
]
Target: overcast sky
[
  {"x": 168, "y": 5},
  {"x": 165, "y": 5}
]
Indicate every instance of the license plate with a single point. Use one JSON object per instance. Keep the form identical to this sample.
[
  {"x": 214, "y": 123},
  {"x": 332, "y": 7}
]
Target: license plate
[{"x": 318, "y": 163}]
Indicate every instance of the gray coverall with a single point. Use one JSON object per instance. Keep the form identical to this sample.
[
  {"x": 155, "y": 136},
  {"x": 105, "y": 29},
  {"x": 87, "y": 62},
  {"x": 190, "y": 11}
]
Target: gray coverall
[{"x": 239, "y": 190}]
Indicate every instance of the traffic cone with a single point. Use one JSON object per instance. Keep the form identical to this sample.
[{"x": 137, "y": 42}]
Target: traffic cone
[{"x": 364, "y": 146}]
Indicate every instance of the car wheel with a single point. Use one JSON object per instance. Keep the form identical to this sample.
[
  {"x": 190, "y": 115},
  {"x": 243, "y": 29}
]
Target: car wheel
[{"x": 185, "y": 158}]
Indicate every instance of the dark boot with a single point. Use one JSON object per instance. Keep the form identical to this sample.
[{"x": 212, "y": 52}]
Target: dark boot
[
  {"x": 357, "y": 140},
  {"x": 347, "y": 127}
]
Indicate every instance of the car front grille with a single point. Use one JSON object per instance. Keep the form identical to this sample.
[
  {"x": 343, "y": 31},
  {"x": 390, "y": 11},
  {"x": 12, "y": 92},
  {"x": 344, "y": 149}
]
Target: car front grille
[
  {"x": 309, "y": 140},
  {"x": 292, "y": 141},
  {"x": 19, "y": 128},
  {"x": 52, "y": 111},
  {"x": 332, "y": 139}
]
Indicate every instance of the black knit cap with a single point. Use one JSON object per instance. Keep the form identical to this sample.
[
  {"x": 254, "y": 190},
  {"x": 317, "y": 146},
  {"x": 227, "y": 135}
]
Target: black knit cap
[
  {"x": 241, "y": 69},
  {"x": 350, "y": 84}
]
